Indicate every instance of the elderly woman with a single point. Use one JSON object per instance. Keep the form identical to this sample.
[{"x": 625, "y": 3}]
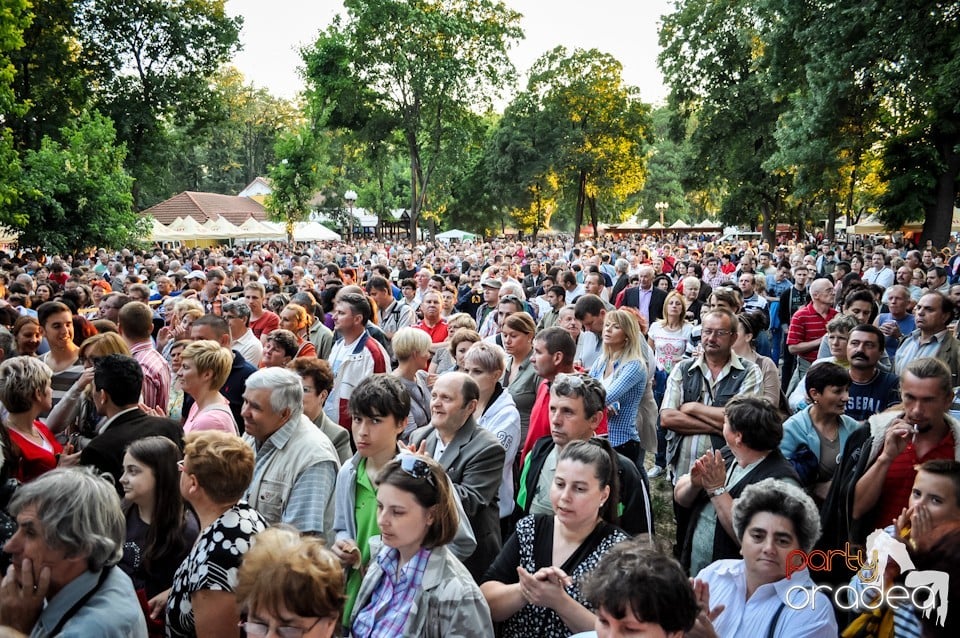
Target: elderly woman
[
  {"x": 296, "y": 319},
  {"x": 204, "y": 368},
  {"x": 534, "y": 584},
  {"x": 497, "y": 413},
  {"x": 185, "y": 312},
  {"x": 290, "y": 585},
  {"x": 814, "y": 437},
  {"x": 415, "y": 586},
  {"x": 215, "y": 472},
  {"x": 519, "y": 378},
  {"x": 411, "y": 347},
  {"x": 752, "y": 430},
  {"x": 773, "y": 521},
  {"x": 71, "y": 534},
  {"x": 25, "y": 392}
]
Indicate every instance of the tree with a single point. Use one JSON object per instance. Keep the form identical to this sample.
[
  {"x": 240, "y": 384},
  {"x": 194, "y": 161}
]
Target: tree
[
  {"x": 77, "y": 193},
  {"x": 152, "y": 60},
  {"x": 712, "y": 58},
  {"x": 415, "y": 67},
  {"x": 17, "y": 17},
  {"x": 296, "y": 176},
  {"x": 603, "y": 126}
]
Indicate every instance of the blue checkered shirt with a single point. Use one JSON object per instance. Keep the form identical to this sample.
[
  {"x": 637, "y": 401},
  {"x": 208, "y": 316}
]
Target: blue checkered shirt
[{"x": 386, "y": 614}]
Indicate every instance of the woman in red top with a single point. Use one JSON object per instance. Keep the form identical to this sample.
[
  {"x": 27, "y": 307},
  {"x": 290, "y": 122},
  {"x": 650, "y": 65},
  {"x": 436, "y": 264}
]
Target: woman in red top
[{"x": 26, "y": 392}]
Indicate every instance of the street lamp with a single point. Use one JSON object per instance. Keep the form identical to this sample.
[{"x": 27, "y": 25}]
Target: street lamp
[
  {"x": 350, "y": 197},
  {"x": 662, "y": 209}
]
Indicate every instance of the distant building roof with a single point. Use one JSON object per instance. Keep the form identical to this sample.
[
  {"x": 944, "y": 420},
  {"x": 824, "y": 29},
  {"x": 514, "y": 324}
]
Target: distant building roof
[
  {"x": 206, "y": 206},
  {"x": 259, "y": 186}
]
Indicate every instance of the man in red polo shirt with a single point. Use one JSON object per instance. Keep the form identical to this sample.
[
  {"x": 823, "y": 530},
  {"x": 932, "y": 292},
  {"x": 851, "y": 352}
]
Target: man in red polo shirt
[
  {"x": 808, "y": 327},
  {"x": 902, "y": 440},
  {"x": 433, "y": 324}
]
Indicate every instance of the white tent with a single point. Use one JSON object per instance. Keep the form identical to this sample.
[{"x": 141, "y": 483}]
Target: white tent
[
  {"x": 221, "y": 228},
  {"x": 159, "y": 232},
  {"x": 254, "y": 229},
  {"x": 313, "y": 231},
  {"x": 459, "y": 235},
  {"x": 189, "y": 229}
]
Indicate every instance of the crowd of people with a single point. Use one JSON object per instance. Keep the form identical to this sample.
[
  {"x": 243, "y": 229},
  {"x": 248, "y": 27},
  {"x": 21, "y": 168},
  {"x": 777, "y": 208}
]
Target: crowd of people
[{"x": 415, "y": 439}]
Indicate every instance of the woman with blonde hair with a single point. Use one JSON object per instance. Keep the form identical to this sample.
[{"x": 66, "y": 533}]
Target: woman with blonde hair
[
  {"x": 27, "y": 336},
  {"x": 204, "y": 368},
  {"x": 214, "y": 474},
  {"x": 75, "y": 413},
  {"x": 25, "y": 393},
  {"x": 290, "y": 585},
  {"x": 622, "y": 370},
  {"x": 411, "y": 347}
]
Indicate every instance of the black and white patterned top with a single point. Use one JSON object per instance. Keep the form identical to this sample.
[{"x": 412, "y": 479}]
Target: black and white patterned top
[
  {"x": 212, "y": 564},
  {"x": 531, "y": 546}
]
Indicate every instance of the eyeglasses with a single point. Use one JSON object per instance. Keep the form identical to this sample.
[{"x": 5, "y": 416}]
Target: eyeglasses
[
  {"x": 416, "y": 467},
  {"x": 511, "y": 298},
  {"x": 710, "y": 332},
  {"x": 259, "y": 629}
]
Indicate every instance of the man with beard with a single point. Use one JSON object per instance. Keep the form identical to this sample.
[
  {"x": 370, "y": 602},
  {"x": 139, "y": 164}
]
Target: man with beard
[{"x": 871, "y": 389}]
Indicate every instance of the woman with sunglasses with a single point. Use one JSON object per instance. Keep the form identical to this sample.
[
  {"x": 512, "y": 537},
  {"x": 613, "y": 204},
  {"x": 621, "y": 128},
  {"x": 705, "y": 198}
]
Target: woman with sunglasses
[
  {"x": 533, "y": 587},
  {"x": 415, "y": 586}
]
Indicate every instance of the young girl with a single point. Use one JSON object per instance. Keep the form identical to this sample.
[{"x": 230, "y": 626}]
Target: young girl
[{"x": 160, "y": 530}]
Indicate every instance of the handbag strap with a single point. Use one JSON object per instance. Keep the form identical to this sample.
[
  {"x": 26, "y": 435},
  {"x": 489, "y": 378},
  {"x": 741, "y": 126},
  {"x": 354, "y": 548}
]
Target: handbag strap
[
  {"x": 77, "y": 606},
  {"x": 776, "y": 618}
]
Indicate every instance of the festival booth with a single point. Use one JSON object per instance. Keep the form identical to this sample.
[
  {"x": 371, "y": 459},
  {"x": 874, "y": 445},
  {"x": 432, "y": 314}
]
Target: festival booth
[{"x": 458, "y": 235}]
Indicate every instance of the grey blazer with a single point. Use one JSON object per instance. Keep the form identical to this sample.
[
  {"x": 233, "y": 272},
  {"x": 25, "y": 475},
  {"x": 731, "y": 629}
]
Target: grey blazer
[{"x": 474, "y": 462}]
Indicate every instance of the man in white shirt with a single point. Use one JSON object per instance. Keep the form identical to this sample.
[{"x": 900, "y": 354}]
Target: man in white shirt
[
  {"x": 237, "y": 314},
  {"x": 879, "y": 273}
]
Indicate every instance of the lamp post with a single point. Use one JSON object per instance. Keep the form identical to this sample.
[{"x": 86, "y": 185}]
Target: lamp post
[
  {"x": 350, "y": 197},
  {"x": 661, "y": 208}
]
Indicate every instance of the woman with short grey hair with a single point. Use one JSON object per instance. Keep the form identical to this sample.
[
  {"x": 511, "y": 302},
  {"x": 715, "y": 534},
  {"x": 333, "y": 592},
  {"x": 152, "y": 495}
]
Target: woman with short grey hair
[
  {"x": 70, "y": 537},
  {"x": 776, "y": 523}
]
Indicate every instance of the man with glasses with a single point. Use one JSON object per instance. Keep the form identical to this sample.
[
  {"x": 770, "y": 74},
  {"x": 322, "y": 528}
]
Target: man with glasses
[
  {"x": 576, "y": 409},
  {"x": 809, "y": 326},
  {"x": 237, "y": 314},
  {"x": 692, "y": 411},
  {"x": 110, "y": 305}
]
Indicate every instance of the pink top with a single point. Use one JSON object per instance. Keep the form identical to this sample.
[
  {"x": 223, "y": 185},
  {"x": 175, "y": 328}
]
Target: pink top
[{"x": 215, "y": 417}]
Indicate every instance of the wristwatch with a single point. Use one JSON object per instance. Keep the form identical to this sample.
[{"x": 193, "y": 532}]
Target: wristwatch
[{"x": 717, "y": 491}]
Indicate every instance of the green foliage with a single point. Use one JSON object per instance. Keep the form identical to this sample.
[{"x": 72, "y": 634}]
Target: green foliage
[
  {"x": 603, "y": 128},
  {"x": 298, "y": 173},
  {"x": 15, "y": 18},
  {"x": 417, "y": 68},
  {"x": 152, "y": 60},
  {"x": 76, "y": 191}
]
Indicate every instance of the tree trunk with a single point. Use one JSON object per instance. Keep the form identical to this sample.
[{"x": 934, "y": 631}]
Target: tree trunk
[
  {"x": 832, "y": 223},
  {"x": 581, "y": 198},
  {"x": 592, "y": 201},
  {"x": 939, "y": 219}
]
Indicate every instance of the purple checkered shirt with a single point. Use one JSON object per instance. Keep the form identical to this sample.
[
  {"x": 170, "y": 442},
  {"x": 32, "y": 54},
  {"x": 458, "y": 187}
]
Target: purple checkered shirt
[{"x": 386, "y": 613}]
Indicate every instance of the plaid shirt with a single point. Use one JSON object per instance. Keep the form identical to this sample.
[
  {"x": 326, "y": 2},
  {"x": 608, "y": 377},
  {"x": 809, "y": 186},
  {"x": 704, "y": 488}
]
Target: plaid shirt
[{"x": 386, "y": 613}]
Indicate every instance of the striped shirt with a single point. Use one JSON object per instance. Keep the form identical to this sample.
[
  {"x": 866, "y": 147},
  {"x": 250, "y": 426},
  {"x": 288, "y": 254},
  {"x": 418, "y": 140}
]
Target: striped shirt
[
  {"x": 385, "y": 615},
  {"x": 156, "y": 375},
  {"x": 62, "y": 381},
  {"x": 807, "y": 325}
]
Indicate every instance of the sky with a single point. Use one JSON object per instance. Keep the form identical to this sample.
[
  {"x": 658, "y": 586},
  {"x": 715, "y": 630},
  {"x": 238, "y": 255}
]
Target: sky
[{"x": 274, "y": 31}]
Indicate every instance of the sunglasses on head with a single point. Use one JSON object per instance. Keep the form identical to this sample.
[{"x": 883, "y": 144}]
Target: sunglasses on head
[{"x": 416, "y": 467}]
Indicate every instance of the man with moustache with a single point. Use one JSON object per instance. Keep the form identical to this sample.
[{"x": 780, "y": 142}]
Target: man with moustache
[{"x": 871, "y": 389}]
